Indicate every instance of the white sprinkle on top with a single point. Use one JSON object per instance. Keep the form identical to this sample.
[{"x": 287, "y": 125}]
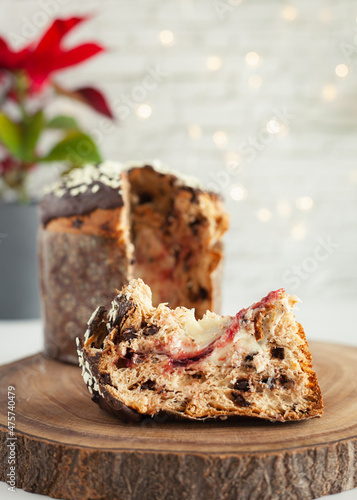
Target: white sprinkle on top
[
  {"x": 108, "y": 173},
  {"x": 79, "y": 179}
]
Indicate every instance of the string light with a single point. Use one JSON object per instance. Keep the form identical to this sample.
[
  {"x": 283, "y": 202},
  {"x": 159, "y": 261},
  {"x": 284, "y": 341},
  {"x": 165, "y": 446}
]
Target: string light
[
  {"x": 283, "y": 208},
  {"x": 273, "y": 126},
  {"x": 289, "y": 13},
  {"x": 167, "y": 38},
  {"x": 341, "y": 70},
  {"x": 264, "y": 214},
  {"x": 325, "y": 15},
  {"x": 143, "y": 111},
  {"x": 220, "y": 138},
  {"x": 233, "y": 162},
  {"x": 213, "y": 63},
  {"x": 283, "y": 131},
  {"x": 304, "y": 203},
  {"x": 255, "y": 81},
  {"x": 194, "y": 131},
  {"x": 329, "y": 93},
  {"x": 238, "y": 192},
  {"x": 353, "y": 175},
  {"x": 298, "y": 231},
  {"x": 233, "y": 156},
  {"x": 252, "y": 59}
]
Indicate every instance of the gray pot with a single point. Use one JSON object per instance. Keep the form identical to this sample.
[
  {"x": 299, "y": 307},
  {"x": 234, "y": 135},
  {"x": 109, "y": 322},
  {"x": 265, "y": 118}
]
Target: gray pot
[{"x": 19, "y": 296}]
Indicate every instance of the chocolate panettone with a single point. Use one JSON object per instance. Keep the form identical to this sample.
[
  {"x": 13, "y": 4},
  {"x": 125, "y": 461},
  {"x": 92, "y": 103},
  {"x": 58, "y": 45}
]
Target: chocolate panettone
[
  {"x": 138, "y": 360},
  {"x": 103, "y": 225}
]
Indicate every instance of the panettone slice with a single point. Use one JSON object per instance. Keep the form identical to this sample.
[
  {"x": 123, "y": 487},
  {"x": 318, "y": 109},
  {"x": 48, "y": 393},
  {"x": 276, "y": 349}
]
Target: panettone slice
[
  {"x": 140, "y": 360},
  {"x": 177, "y": 228}
]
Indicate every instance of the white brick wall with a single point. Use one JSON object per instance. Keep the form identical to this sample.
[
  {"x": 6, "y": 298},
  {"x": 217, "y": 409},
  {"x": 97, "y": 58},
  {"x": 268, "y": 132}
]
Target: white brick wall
[{"x": 317, "y": 157}]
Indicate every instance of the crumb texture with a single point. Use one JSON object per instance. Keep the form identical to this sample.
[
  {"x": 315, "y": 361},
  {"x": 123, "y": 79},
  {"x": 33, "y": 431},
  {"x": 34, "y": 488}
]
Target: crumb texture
[
  {"x": 176, "y": 232},
  {"x": 150, "y": 359}
]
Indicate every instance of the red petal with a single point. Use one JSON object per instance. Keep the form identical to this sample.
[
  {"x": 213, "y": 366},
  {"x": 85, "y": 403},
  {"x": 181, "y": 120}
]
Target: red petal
[
  {"x": 12, "y": 96},
  {"x": 10, "y": 59},
  {"x": 7, "y": 164},
  {"x": 6, "y": 55},
  {"x": 3, "y": 44},
  {"x": 45, "y": 57},
  {"x": 95, "y": 99},
  {"x": 41, "y": 60},
  {"x": 76, "y": 55},
  {"x": 52, "y": 38},
  {"x": 39, "y": 68}
]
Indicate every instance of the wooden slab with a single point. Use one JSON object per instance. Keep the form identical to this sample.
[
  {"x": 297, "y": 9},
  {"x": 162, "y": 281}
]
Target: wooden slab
[{"x": 67, "y": 447}]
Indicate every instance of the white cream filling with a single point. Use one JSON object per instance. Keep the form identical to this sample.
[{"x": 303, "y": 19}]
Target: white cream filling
[
  {"x": 211, "y": 327},
  {"x": 206, "y": 330}
]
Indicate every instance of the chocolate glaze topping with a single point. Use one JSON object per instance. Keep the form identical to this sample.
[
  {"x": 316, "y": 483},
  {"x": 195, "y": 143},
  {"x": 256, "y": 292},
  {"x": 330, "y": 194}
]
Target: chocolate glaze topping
[
  {"x": 82, "y": 191},
  {"x": 52, "y": 206},
  {"x": 85, "y": 189}
]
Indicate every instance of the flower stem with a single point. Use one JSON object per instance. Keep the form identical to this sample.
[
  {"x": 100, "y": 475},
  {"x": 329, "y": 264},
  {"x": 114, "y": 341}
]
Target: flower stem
[
  {"x": 21, "y": 85},
  {"x": 23, "y": 193}
]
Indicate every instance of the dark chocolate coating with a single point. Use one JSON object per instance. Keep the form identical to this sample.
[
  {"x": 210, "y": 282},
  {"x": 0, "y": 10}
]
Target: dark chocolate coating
[
  {"x": 52, "y": 206},
  {"x": 108, "y": 402}
]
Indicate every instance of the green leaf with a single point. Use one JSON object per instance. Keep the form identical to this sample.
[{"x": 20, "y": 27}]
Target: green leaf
[
  {"x": 63, "y": 122},
  {"x": 76, "y": 149},
  {"x": 10, "y": 135},
  {"x": 32, "y": 129}
]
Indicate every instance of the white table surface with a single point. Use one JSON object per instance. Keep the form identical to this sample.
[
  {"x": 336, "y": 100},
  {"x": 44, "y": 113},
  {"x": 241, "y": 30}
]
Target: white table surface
[{"x": 24, "y": 338}]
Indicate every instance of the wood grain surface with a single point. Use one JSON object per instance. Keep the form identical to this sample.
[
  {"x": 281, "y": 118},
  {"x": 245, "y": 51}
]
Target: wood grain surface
[{"x": 68, "y": 448}]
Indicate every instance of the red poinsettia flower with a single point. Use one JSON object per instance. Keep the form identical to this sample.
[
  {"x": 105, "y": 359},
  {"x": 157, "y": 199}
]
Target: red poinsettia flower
[
  {"x": 40, "y": 60},
  {"x": 26, "y": 72}
]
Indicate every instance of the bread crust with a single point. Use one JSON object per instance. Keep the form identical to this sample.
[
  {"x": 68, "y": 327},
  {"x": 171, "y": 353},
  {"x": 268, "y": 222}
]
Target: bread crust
[{"x": 72, "y": 270}]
